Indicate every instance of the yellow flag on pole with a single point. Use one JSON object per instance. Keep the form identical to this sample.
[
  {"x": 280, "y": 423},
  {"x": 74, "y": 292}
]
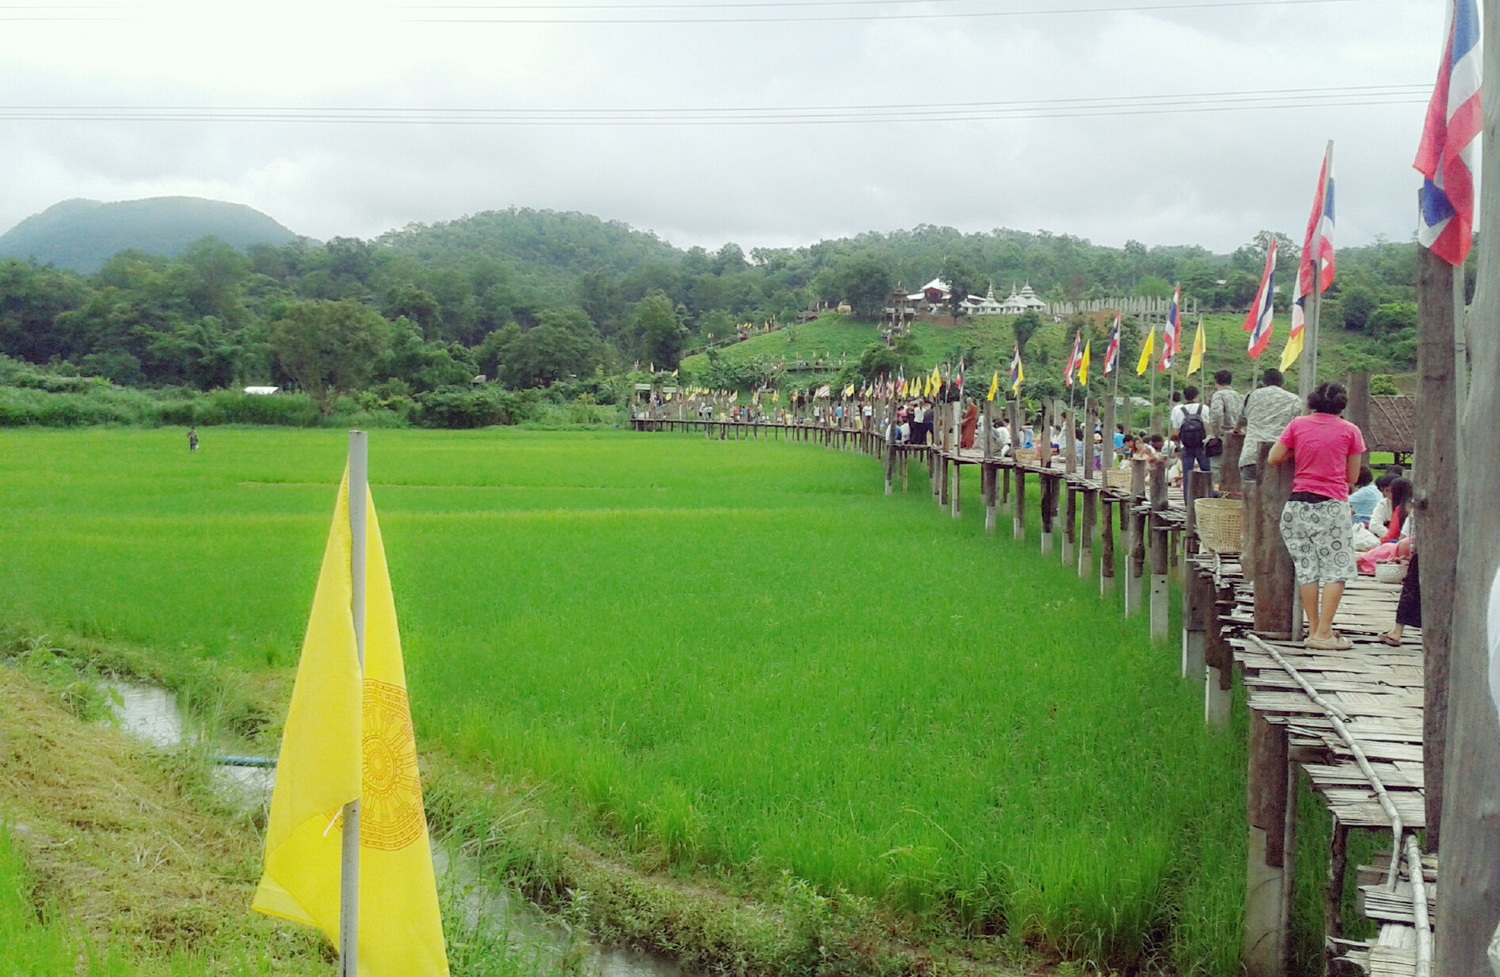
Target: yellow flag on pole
[
  {"x": 1083, "y": 364},
  {"x": 994, "y": 386},
  {"x": 1200, "y": 347},
  {"x": 1293, "y": 350},
  {"x": 349, "y": 738},
  {"x": 1146, "y": 351}
]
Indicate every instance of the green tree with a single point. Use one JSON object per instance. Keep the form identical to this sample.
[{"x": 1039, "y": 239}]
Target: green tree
[
  {"x": 1024, "y": 327},
  {"x": 863, "y": 280},
  {"x": 660, "y": 329},
  {"x": 326, "y": 347},
  {"x": 962, "y": 279}
]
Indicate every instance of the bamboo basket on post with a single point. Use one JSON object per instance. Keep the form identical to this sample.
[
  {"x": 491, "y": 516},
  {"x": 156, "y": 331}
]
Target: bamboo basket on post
[{"x": 1220, "y": 524}]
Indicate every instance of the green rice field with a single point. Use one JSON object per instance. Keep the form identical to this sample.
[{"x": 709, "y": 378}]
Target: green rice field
[{"x": 740, "y": 656}]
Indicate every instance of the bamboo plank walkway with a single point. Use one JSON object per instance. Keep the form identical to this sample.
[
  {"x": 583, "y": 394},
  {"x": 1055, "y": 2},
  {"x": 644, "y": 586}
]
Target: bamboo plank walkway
[{"x": 1352, "y": 720}]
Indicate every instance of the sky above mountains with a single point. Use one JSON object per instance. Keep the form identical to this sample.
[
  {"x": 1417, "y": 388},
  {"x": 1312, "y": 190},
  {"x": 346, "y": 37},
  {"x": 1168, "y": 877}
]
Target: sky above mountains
[{"x": 767, "y": 124}]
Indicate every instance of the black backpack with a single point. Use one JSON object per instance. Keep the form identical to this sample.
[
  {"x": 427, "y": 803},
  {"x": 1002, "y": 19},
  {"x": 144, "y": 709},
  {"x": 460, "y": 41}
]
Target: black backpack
[{"x": 1192, "y": 433}]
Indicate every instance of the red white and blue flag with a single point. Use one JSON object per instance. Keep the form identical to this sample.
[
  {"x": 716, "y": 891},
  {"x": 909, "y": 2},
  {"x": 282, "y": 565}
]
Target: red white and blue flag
[
  {"x": 1449, "y": 138},
  {"x": 1073, "y": 360},
  {"x": 1171, "y": 336},
  {"x": 1112, "y": 355},
  {"x": 1317, "y": 253},
  {"x": 1260, "y": 323}
]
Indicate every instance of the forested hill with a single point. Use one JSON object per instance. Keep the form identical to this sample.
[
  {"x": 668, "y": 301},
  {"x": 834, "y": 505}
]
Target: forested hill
[
  {"x": 81, "y": 235},
  {"x": 532, "y": 297}
]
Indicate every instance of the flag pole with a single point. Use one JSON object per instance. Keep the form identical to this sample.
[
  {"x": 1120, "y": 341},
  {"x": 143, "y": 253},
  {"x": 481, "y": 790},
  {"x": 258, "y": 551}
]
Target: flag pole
[{"x": 359, "y": 479}]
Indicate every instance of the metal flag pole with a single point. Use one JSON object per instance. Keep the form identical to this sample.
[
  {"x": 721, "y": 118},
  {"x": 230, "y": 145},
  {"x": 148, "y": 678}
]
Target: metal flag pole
[{"x": 359, "y": 480}]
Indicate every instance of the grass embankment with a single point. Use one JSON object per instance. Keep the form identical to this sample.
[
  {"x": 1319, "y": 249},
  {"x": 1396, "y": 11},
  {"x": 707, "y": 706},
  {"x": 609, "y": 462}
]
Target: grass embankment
[{"x": 734, "y": 664}]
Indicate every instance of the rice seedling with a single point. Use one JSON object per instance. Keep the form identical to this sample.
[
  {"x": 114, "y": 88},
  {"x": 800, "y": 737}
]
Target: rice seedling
[{"x": 733, "y": 660}]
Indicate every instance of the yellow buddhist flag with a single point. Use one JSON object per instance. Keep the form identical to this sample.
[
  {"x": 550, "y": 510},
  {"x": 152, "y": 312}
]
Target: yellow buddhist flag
[
  {"x": 349, "y": 737},
  {"x": 1293, "y": 350},
  {"x": 1146, "y": 351},
  {"x": 1200, "y": 346},
  {"x": 994, "y": 386},
  {"x": 1083, "y": 364}
]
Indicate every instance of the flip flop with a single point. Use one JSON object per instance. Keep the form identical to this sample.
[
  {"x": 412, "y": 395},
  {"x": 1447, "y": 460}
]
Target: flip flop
[
  {"x": 1386, "y": 639},
  {"x": 1336, "y": 643}
]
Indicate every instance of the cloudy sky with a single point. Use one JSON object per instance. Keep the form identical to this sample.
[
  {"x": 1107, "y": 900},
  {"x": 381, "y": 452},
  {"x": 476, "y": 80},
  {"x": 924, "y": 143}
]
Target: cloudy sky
[{"x": 762, "y": 123}]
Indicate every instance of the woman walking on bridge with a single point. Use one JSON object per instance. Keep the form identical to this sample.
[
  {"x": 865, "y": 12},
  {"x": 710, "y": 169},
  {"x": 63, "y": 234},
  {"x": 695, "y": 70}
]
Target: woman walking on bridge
[{"x": 1315, "y": 523}]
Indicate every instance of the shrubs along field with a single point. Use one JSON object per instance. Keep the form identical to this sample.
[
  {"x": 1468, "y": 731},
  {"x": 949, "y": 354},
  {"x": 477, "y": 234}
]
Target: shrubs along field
[{"x": 733, "y": 662}]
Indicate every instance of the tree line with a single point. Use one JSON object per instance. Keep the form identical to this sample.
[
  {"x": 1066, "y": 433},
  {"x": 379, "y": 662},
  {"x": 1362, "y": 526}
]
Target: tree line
[{"x": 530, "y": 298}]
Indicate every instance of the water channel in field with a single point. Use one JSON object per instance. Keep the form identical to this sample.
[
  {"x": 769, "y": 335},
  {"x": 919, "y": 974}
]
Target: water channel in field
[{"x": 152, "y": 715}]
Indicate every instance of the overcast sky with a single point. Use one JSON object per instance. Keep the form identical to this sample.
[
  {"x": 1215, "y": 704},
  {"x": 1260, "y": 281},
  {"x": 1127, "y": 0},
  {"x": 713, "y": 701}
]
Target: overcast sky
[{"x": 988, "y": 134}]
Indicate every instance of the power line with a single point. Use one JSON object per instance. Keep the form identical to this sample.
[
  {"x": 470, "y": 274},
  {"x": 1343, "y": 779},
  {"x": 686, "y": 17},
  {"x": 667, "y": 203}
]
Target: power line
[
  {"x": 458, "y": 9},
  {"x": 928, "y": 113}
]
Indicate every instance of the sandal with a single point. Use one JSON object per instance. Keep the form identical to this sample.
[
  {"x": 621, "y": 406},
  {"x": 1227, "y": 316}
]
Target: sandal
[
  {"x": 1336, "y": 643},
  {"x": 1386, "y": 639}
]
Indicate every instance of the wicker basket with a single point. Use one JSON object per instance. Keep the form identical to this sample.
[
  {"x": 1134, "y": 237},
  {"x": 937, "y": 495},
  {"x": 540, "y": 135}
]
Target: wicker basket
[
  {"x": 1118, "y": 479},
  {"x": 1030, "y": 457},
  {"x": 1390, "y": 572},
  {"x": 1221, "y": 524}
]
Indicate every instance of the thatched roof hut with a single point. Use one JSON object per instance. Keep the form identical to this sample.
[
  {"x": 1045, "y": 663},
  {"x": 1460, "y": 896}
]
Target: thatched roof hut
[{"x": 1393, "y": 425}]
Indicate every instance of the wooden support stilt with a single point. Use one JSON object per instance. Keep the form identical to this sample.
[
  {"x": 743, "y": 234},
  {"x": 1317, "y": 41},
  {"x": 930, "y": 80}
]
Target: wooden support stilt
[
  {"x": 1106, "y": 547},
  {"x": 1018, "y": 506},
  {"x": 944, "y": 480},
  {"x": 1049, "y": 509},
  {"x": 956, "y": 492},
  {"x": 1219, "y": 659},
  {"x": 988, "y": 475},
  {"x": 1197, "y": 594},
  {"x": 1276, "y": 610},
  {"x": 1136, "y": 537},
  {"x": 890, "y": 468},
  {"x": 1160, "y": 592},
  {"x": 1270, "y": 809},
  {"x": 1070, "y": 522},
  {"x": 1086, "y": 532}
]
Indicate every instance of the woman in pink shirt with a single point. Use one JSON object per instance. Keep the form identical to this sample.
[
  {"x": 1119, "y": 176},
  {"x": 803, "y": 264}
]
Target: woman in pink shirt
[{"x": 1315, "y": 524}]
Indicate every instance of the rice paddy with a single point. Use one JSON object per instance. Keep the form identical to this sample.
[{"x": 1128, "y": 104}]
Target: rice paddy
[{"x": 739, "y": 658}]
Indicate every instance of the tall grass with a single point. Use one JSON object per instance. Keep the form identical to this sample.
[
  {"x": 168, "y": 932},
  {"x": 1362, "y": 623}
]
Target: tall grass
[{"x": 736, "y": 658}]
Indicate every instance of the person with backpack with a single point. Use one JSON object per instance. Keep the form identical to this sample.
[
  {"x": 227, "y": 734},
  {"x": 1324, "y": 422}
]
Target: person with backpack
[{"x": 1190, "y": 430}]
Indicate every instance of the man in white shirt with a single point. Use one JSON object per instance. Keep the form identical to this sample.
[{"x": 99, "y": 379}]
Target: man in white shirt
[{"x": 1268, "y": 410}]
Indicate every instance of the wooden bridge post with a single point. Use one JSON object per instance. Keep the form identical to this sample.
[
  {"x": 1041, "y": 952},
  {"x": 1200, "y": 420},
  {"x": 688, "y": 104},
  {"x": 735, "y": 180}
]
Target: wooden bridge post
[
  {"x": 1070, "y": 454},
  {"x": 1070, "y": 520},
  {"x": 957, "y": 490},
  {"x": 1218, "y": 656},
  {"x": 1086, "y": 532},
  {"x": 1272, "y": 810},
  {"x": 1197, "y": 595},
  {"x": 1005, "y": 484},
  {"x": 1018, "y": 506},
  {"x": 1135, "y": 544},
  {"x": 1106, "y": 546},
  {"x": 1049, "y": 508},
  {"x": 890, "y": 462},
  {"x": 988, "y": 476},
  {"x": 1160, "y": 593},
  {"x": 1275, "y": 582}
]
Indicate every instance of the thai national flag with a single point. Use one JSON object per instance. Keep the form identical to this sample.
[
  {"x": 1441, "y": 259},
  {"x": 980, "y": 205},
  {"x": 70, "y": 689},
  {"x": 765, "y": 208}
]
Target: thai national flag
[
  {"x": 1171, "y": 336},
  {"x": 1112, "y": 355},
  {"x": 1449, "y": 138},
  {"x": 1260, "y": 323},
  {"x": 1317, "y": 253},
  {"x": 1073, "y": 360}
]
